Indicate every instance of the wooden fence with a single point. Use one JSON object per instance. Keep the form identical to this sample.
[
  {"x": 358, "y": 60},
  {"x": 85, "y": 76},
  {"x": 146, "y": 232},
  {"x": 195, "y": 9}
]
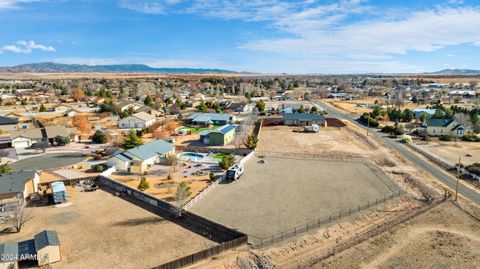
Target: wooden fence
[{"x": 204, "y": 254}]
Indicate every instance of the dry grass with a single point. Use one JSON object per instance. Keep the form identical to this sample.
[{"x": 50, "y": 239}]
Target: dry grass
[
  {"x": 100, "y": 230},
  {"x": 451, "y": 151}
]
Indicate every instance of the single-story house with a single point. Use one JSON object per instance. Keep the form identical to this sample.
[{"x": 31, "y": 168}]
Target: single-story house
[
  {"x": 150, "y": 111},
  {"x": 447, "y": 127},
  {"x": 24, "y": 138},
  {"x": 8, "y": 124},
  {"x": 220, "y": 137},
  {"x": 18, "y": 185},
  {"x": 418, "y": 112},
  {"x": 61, "y": 109},
  {"x": 206, "y": 119},
  {"x": 52, "y": 132},
  {"x": 141, "y": 159},
  {"x": 303, "y": 119},
  {"x": 44, "y": 248},
  {"x": 128, "y": 105},
  {"x": 137, "y": 120}
]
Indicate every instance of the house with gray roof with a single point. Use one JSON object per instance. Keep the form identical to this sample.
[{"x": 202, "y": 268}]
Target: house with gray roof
[
  {"x": 18, "y": 185},
  {"x": 137, "y": 120},
  {"x": 207, "y": 119},
  {"x": 8, "y": 124},
  {"x": 445, "y": 127},
  {"x": 303, "y": 119},
  {"x": 141, "y": 159}
]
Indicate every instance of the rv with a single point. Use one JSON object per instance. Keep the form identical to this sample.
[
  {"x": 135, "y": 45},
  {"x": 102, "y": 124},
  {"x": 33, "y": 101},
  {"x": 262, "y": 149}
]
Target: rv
[{"x": 234, "y": 172}]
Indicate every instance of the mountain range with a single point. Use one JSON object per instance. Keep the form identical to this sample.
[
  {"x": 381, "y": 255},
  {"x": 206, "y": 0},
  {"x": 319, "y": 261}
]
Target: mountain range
[
  {"x": 49, "y": 67},
  {"x": 457, "y": 72}
]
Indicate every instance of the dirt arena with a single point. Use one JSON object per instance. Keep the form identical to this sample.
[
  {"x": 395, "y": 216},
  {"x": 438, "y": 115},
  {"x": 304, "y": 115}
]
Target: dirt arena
[
  {"x": 283, "y": 193},
  {"x": 330, "y": 140}
]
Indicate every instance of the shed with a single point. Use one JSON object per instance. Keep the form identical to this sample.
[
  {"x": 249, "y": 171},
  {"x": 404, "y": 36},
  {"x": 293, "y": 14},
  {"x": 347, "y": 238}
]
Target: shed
[
  {"x": 47, "y": 246},
  {"x": 59, "y": 192},
  {"x": 8, "y": 254}
]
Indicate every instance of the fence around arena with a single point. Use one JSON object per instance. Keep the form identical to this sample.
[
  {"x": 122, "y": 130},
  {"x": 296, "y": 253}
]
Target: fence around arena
[
  {"x": 259, "y": 242},
  {"x": 325, "y": 157},
  {"x": 441, "y": 162}
]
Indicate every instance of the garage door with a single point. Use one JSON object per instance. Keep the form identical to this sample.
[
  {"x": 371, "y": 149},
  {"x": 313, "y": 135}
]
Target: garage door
[{"x": 21, "y": 144}]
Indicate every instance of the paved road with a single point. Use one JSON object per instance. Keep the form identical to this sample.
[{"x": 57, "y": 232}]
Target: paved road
[{"x": 425, "y": 165}]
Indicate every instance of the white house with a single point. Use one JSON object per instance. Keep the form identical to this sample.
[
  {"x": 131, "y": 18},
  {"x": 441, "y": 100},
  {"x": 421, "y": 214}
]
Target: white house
[
  {"x": 137, "y": 120},
  {"x": 142, "y": 158}
]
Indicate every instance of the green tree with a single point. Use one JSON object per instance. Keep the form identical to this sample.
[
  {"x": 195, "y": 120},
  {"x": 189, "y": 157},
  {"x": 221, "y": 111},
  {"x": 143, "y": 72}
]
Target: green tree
[
  {"x": 301, "y": 109},
  {"x": 148, "y": 101},
  {"x": 62, "y": 140},
  {"x": 212, "y": 177},
  {"x": 260, "y": 105},
  {"x": 5, "y": 168},
  {"x": 182, "y": 193},
  {"x": 314, "y": 109},
  {"x": 202, "y": 107},
  {"x": 132, "y": 140},
  {"x": 42, "y": 108},
  {"x": 227, "y": 161},
  {"x": 143, "y": 185},
  {"x": 251, "y": 141},
  {"x": 99, "y": 137},
  {"x": 407, "y": 115}
]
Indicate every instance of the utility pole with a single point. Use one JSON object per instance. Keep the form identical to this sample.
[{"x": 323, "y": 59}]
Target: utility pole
[
  {"x": 368, "y": 124},
  {"x": 458, "y": 178}
]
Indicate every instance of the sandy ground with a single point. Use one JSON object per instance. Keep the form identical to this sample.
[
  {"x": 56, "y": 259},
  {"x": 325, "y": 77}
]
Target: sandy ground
[
  {"x": 445, "y": 237},
  {"x": 102, "y": 231},
  {"x": 282, "y": 194},
  {"x": 448, "y": 151},
  {"x": 328, "y": 141}
]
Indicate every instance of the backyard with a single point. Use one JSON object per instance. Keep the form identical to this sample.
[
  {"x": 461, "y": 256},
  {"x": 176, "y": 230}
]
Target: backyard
[
  {"x": 196, "y": 130},
  {"x": 276, "y": 194},
  {"x": 450, "y": 151},
  {"x": 100, "y": 230}
]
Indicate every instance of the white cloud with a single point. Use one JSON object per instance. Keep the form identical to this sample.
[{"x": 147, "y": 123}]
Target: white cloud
[
  {"x": 23, "y": 46},
  {"x": 13, "y": 4},
  {"x": 149, "y": 6},
  {"x": 423, "y": 31}
]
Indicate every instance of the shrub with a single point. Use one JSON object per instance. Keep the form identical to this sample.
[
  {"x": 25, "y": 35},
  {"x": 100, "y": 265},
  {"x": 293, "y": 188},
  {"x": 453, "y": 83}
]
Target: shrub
[
  {"x": 227, "y": 161},
  {"x": 99, "y": 137},
  {"x": 143, "y": 185},
  {"x": 393, "y": 130},
  {"x": 471, "y": 138},
  {"x": 212, "y": 176},
  {"x": 474, "y": 168},
  {"x": 445, "y": 138},
  {"x": 98, "y": 168}
]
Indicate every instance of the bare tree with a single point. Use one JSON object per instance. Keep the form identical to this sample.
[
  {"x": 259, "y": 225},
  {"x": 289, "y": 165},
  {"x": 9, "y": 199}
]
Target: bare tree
[
  {"x": 172, "y": 160},
  {"x": 181, "y": 196},
  {"x": 20, "y": 216}
]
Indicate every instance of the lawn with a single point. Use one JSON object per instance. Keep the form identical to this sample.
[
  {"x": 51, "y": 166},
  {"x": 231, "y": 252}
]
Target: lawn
[
  {"x": 220, "y": 155},
  {"x": 195, "y": 130}
]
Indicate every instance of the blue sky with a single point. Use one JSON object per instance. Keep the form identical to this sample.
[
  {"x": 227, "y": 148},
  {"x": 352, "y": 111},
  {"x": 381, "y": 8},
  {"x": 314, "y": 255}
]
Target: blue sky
[{"x": 271, "y": 36}]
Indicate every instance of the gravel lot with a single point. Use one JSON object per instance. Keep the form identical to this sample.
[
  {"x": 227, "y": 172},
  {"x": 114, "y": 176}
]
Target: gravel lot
[
  {"x": 103, "y": 231},
  {"x": 285, "y": 193}
]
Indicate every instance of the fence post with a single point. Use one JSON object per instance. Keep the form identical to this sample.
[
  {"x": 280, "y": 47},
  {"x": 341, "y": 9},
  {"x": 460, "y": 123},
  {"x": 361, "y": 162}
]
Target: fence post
[
  {"x": 282, "y": 236},
  {"x": 376, "y": 201}
]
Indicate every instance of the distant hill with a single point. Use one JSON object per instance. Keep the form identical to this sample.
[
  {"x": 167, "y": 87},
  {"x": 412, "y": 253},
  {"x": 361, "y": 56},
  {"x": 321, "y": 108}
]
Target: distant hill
[
  {"x": 117, "y": 68},
  {"x": 457, "y": 72}
]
